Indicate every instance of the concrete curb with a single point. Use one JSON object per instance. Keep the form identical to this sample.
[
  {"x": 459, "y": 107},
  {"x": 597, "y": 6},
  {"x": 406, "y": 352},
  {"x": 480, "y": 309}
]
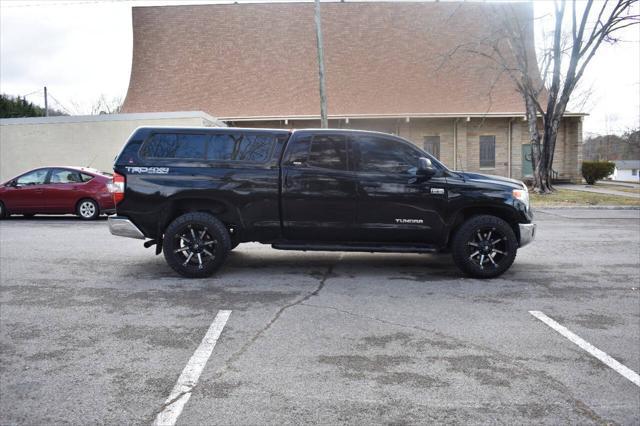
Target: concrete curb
[
  {"x": 599, "y": 190},
  {"x": 586, "y": 207}
]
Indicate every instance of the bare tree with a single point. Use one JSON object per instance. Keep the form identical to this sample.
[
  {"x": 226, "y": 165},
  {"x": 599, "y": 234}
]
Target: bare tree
[
  {"x": 547, "y": 86},
  {"x": 548, "y": 82},
  {"x": 106, "y": 106}
]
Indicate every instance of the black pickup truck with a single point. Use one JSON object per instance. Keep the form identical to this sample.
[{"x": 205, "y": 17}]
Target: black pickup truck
[{"x": 196, "y": 193}]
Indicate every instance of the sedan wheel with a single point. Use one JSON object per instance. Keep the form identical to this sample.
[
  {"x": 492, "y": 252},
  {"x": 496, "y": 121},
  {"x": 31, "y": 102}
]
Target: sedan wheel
[{"x": 88, "y": 209}]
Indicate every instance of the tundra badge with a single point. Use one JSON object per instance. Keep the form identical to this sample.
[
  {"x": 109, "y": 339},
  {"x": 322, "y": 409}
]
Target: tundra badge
[{"x": 409, "y": 221}]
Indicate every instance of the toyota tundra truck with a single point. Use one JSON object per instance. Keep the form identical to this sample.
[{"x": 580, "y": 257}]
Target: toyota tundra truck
[{"x": 196, "y": 193}]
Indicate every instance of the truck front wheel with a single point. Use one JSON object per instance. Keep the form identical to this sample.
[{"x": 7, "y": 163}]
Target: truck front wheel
[
  {"x": 484, "y": 246},
  {"x": 196, "y": 244}
]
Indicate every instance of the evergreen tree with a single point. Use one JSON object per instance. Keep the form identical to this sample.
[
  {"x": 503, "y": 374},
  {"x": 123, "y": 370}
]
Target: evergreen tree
[{"x": 15, "y": 107}]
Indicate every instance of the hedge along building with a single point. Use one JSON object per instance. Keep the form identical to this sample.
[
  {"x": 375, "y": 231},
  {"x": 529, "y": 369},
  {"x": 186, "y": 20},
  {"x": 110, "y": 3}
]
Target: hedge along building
[{"x": 389, "y": 67}]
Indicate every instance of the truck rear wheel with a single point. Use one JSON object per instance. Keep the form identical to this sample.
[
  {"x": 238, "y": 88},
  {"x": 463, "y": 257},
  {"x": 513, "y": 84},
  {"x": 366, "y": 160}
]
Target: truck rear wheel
[
  {"x": 196, "y": 244},
  {"x": 484, "y": 246}
]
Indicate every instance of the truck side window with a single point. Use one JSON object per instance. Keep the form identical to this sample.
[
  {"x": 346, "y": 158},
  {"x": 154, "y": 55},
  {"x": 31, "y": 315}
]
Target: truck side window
[
  {"x": 381, "y": 155},
  {"x": 222, "y": 147},
  {"x": 255, "y": 148},
  {"x": 191, "y": 146},
  {"x": 298, "y": 151},
  {"x": 329, "y": 152},
  {"x": 172, "y": 145}
]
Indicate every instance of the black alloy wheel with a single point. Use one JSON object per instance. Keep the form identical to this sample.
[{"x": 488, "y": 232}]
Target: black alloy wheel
[
  {"x": 196, "y": 244},
  {"x": 487, "y": 247},
  {"x": 484, "y": 246}
]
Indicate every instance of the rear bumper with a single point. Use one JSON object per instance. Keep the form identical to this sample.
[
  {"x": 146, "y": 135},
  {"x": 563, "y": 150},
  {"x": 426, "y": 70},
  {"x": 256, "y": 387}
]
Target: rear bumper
[
  {"x": 527, "y": 233},
  {"x": 123, "y": 227},
  {"x": 105, "y": 200}
]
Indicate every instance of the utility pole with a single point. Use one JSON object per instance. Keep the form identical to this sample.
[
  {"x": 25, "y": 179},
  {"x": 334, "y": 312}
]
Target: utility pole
[
  {"x": 323, "y": 96},
  {"x": 46, "y": 102}
]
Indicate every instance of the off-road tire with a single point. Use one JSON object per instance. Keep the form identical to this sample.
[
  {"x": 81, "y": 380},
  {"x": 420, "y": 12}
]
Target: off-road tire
[
  {"x": 466, "y": 241},
  {"x": 176, "y": 253}
]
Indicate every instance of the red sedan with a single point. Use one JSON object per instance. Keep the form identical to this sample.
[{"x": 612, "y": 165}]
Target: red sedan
[{"x": 57, "y": 190}]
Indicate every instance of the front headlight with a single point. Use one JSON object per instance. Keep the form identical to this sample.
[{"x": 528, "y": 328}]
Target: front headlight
[{"x": 522, "y": 195}]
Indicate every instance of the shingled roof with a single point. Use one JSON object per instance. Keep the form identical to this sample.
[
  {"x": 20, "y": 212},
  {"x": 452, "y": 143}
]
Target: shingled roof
[{"x": 258, "y": 60}]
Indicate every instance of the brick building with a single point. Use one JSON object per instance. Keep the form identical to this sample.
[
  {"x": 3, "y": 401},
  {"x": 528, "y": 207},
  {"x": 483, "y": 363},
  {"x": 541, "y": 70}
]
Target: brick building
[{"x": 389, "y": 67}]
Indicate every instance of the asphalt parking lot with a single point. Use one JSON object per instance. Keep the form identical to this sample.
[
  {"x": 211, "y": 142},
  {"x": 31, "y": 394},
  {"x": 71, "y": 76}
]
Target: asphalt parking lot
[{"x": 96, "y": 329}]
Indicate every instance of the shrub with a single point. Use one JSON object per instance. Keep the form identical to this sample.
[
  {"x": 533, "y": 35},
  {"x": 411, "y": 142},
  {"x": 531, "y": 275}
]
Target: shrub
[{"x": 593, "y": 171}]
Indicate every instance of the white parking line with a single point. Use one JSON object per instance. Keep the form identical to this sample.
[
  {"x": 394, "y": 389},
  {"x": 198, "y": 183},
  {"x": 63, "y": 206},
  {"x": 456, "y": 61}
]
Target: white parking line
[
  {"x": 189, "y": 378},
  {"x": 602, "y": 356}
]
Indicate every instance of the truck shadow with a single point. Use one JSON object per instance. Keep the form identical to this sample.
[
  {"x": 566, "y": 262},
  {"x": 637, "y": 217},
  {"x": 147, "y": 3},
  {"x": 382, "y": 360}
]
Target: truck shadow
[{"x": 393, "y": 266}]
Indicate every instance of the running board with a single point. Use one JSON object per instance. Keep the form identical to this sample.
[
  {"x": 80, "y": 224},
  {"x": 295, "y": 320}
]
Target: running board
[{"x": 370, "y": 248}]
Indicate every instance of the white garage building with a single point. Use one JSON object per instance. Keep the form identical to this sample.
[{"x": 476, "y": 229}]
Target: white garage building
[
  {"x": 86, "y": 141},
  {"x": 627, "y": 171}
]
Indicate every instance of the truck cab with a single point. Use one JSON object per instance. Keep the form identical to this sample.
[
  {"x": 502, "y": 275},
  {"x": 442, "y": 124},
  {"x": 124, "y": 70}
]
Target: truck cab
[{"x": 196, "y": 193}]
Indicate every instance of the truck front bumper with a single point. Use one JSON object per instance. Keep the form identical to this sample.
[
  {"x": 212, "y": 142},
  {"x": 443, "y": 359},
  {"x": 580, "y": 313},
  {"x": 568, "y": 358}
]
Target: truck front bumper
[
  {"x": 527, "y": 233},
  {"x": 123, "y": 227}
]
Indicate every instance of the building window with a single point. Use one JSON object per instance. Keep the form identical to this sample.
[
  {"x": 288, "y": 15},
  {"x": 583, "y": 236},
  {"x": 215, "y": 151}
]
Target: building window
[
  {"x": 432, "y": 145},
  {"x": 487, "y": 152},
  {"x": 634, "y": 172}
]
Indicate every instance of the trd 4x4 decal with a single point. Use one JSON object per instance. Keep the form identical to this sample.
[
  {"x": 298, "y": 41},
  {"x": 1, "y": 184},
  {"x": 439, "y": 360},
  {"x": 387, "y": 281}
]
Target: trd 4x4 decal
[{"x": 148, "y": 170}]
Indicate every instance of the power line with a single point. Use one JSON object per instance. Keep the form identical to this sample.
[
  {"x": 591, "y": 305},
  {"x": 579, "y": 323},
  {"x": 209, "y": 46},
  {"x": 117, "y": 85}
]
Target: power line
[
  {"x": 32, "y": 93},
  {"x": 60, "y": 104}
]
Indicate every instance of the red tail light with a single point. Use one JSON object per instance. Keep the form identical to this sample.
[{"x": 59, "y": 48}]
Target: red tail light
[{"x": 117, "y": 188}]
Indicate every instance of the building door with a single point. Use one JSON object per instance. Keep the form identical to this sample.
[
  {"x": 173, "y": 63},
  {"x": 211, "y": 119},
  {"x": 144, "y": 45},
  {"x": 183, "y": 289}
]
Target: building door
[
  {"x": 527, "y": 163},
  {"x": 432, "y": 145}
]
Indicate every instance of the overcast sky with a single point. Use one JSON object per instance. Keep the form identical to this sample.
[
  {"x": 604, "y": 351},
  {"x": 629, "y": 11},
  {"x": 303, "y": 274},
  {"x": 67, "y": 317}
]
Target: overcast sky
[{"x": 81, "y": 49}]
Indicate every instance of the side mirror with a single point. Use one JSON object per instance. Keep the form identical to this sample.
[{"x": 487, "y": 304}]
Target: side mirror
[
  {"x": 425, "y": 168},
  {"x": 13, "y": 183}
]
